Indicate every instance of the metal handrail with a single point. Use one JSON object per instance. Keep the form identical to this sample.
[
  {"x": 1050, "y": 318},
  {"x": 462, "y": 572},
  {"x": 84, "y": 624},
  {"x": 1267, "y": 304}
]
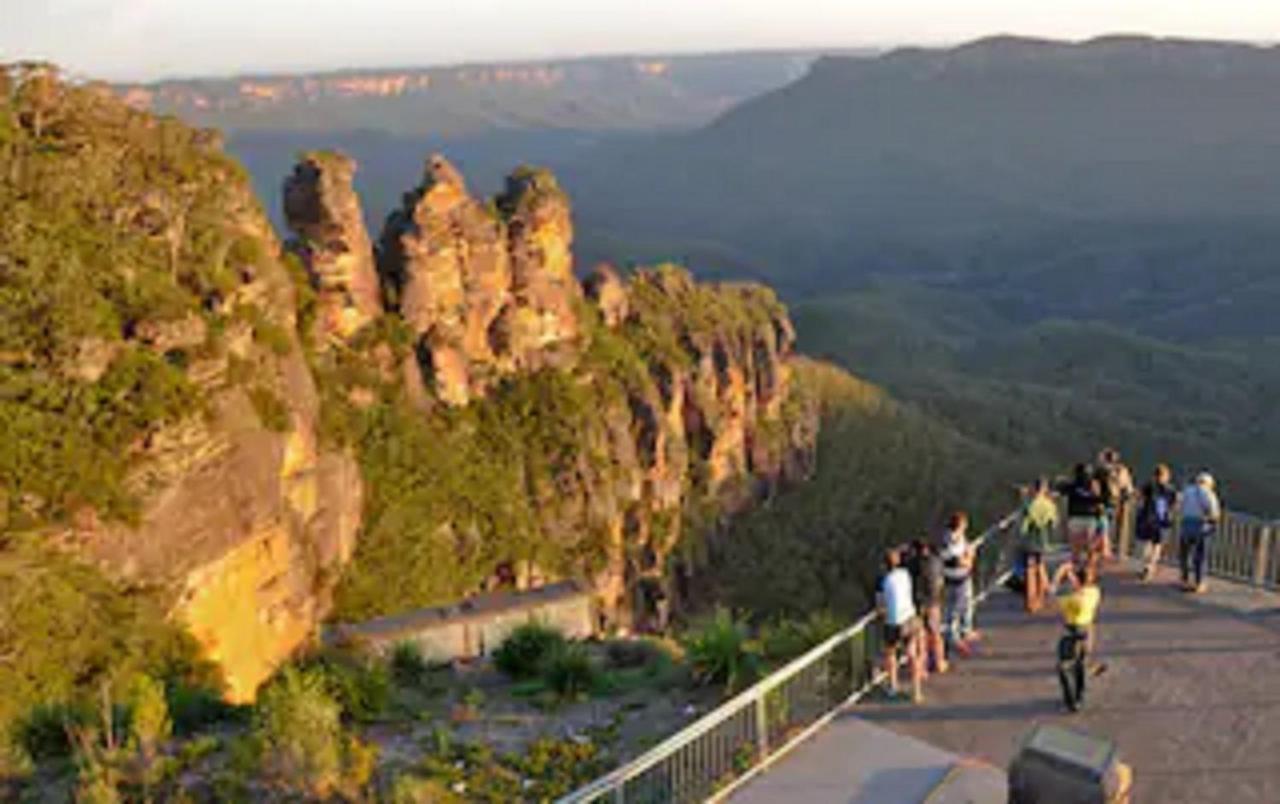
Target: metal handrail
[{"x": 770, "y": 691}]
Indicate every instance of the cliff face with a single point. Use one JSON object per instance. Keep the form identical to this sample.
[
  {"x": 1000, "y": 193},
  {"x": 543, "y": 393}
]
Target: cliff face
[
  {"x": 245, "y": 520},
  {"x": 601, "y": 416},
  {"x": 159, "y": 416}
]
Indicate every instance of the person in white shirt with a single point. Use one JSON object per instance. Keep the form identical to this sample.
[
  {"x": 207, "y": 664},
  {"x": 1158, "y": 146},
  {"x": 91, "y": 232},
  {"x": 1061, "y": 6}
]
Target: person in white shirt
[
  {"x": 957, "y": 571},
  {"x": 1201, "y": 512},
  {"x": 896, "y": 605}
]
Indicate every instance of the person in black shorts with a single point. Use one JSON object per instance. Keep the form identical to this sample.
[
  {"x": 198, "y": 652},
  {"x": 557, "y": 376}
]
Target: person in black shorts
[
  {"x": 896, "y": 604},
  {"x": 1159, "y": 501},
  {"x": 929, "y": 587}
]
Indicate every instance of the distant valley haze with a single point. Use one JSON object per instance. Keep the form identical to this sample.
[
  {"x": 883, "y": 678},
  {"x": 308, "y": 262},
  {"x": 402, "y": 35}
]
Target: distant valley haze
[{"x": 140, "y": 40}]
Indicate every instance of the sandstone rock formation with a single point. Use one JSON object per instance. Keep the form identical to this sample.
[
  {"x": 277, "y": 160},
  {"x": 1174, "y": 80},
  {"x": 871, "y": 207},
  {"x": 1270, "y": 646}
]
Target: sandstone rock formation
[
  {"x": 487, "y": 290},
  {"x": 685, "y": 411},
  {"x": 322, "y": 209},
  {"x": 605, "y": 289},
  {"x": 245, "y": 524},
  {"x": 708, "y": 432}
]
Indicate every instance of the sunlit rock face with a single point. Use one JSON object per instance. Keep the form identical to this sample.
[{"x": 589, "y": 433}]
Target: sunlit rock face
[
  {"x": 322, "y": 209},
  {"x": 487, "y": 289},
  {"x": 244, "y": 524}
]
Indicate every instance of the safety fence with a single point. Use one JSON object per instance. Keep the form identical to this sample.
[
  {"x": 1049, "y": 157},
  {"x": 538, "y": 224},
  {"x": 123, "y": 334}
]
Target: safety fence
[
  {"x": 729, "y": 745},
  {"x": 1244, "y": 548}
]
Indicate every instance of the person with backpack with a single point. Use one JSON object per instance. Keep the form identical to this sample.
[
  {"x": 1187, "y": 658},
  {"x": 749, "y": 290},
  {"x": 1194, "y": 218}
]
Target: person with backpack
[
  {"x": 896, "y": 604},
  {"x": 958, "y": 557},
  {"x": 1158, "y": 501},
  {"x": 1039, "y": 520},
  {"x": 1086, "y": 514},
  {"x": 1201, "y": 513},
  {"x": 1078, "y": 604}
]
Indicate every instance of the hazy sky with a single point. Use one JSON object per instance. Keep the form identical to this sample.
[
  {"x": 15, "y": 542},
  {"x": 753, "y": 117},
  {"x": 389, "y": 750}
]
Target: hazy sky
[{"x": 136, "y": 39}]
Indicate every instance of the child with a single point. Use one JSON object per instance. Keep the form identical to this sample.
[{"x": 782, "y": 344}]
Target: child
[
  {"x": 1079, "y": 606},
  {"x": 898, "y": 611}
]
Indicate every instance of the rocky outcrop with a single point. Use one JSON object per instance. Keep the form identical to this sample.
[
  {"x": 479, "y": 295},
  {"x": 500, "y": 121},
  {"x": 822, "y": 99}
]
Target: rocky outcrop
[
  {"x": 245, "y": 520},
  {"x": 487, "y": 290},
  {"x": 322, "y": 209},
  {"x": 673, "y": 395},
  {"x": 709, "y": 432},
  {"x": 606, "y": 290}
]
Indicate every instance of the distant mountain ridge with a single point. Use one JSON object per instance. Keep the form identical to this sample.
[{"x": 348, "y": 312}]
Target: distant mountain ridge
[
  {"x": 617, "y": 92},
  {"x": 922, "y": 160}
]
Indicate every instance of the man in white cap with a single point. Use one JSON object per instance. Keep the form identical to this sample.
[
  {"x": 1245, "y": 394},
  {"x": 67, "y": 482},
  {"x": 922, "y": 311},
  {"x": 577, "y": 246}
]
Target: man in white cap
[{"x": 1201, "y": 512}]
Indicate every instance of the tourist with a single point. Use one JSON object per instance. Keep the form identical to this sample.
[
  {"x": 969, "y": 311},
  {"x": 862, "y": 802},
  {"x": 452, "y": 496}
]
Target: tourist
[
  {"x": 1078, "y": 604},
  {"x": 897, "y": 609},
  {"x": 1086, "y": 515},
  {"x": 1038, "y": 521},
  {"x": 1155, "y": 518},
  {"x": 1201, "y": 512},
  {"x": 928, "y": 584},
  {"x": 957, "y": 556},
  {"x": 1115, "y": 482}
]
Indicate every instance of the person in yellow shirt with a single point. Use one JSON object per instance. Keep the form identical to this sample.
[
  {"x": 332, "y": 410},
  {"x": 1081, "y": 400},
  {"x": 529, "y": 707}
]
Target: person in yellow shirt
[{"x": 1078, "y": 603}]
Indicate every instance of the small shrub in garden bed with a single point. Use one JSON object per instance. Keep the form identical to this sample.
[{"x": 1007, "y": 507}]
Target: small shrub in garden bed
[
  {"x": 720, "y": 652},
  {"x": 569, "y": 672},
  {"x": 523, "y": 653}
]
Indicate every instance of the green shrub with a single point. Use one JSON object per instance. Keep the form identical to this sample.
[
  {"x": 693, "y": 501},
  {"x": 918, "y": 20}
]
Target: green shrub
[
  {"x": 65, "y": 630},
  {"x": 298, "y": 734},
  {"x": 411, "y": 789},
  {"x": 720, "y": 652},
  {"x": 44, "y": 732},
  {"x": 546, "y": 771},
  {"x": 642, "y": 652},
  {"x": 525, "y": 650},
  {"x": 569, "y": 672},
  {"x": 360, "y": 685},
  {"x": 195, "y": 707},
  {"x": 408, "y": 666},
  {"x": 788, "y": 638},
  {"x": 149, "y": 723}
]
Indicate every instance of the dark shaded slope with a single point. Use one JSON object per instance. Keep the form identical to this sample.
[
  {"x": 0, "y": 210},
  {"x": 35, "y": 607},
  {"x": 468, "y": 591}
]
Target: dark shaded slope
[{"x": 934, "y": 162}]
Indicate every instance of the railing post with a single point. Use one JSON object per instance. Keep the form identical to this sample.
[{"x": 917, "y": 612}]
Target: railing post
[
  {"x": 1262, "y": 556},
  {"x": 762, "y": 726}
]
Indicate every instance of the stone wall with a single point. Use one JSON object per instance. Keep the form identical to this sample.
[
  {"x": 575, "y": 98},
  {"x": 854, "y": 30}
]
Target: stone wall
[{"x": 475, "y": 627}]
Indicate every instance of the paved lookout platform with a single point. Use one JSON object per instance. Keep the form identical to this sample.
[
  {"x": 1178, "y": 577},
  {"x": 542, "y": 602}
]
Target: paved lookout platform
[{"x": 1191, "y": 695}]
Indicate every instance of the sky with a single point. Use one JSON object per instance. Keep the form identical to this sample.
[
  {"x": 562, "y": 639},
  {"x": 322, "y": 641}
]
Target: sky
[{"x": 128, "y": 40}]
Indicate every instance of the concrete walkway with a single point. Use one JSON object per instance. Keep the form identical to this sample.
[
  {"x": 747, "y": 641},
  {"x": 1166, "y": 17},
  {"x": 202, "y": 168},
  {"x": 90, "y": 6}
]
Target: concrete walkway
[
  {"x": 1191, "y": 695},
  {"x": 852, "y": 760}
]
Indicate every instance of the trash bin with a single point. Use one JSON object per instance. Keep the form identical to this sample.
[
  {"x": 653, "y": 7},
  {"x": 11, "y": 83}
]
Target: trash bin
[{"x": 1055, "y": 765}]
